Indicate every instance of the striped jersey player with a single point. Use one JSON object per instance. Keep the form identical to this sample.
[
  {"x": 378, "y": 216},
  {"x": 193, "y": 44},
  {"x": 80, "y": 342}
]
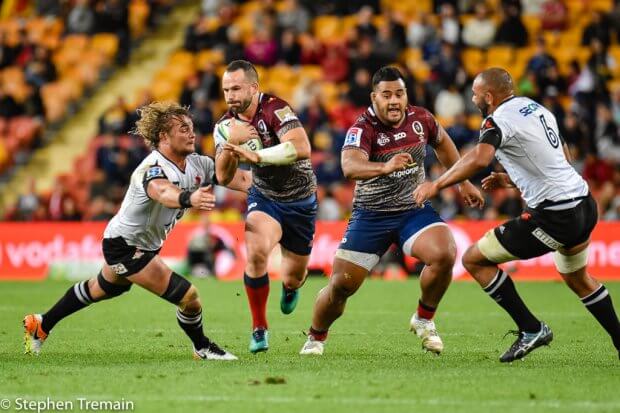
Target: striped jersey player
[
  {"x": 384, "y": 152},
  {"x": 282, "y": 202}
]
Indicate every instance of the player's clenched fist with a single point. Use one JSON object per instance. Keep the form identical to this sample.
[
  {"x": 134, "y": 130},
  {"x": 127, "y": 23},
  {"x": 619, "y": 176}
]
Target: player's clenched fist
[
  {"x": 398, "y": 162},
  {"x": 203, "y": 198}
]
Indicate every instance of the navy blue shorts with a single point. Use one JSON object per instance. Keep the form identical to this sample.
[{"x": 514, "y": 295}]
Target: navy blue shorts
[
  {"x": 297, "y": 219},
  {"x": 373, "y": 232}
]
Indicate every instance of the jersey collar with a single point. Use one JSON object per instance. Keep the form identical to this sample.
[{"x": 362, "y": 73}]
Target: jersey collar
[
  {"x": 506, "y": 100},
  {"x": 172, "y": 163}
]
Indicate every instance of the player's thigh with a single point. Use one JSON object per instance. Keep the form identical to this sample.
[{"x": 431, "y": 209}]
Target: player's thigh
[
  {"x": 426, "y": 236},
  {"x": 368, "y": 236},
  {"x": 473, "y": 256},
  {"x": 298, "y": 221},
  {"x": 571, "y": 262},
  {"x": 108, "y": 274},
  {"x": 155, "y": 276},
  {"x": 347, "y": 277},
  {"x": 435, "y": 245},
  {"x": 96, "y": 290},
  {"x": 262, "y": 233},
  {"x": 124, "y": 262},
  {"x": 519, "y": 238},
  {"x": 572, "y": 258},
  {"x": 293, "y": 265}
]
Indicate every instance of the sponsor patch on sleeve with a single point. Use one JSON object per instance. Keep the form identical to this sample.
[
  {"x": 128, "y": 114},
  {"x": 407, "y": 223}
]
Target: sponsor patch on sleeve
[
  {"x": 154, "y": 172},
  {"x": 354, "y": 137},
  {"x": 285, "y": 114}
]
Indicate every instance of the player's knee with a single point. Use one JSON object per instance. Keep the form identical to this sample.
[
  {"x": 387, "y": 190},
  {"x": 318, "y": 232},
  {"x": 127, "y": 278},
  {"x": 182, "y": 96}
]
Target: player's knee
[
  {"x": 340, "y": 291},
  {"x": 292, "y": 283},
  {"x": 177, "y": 287},
  {"x": 470, "y": 260},
  {"x": 94, "y": 290},
  {"x": 109, "y": 289},
  {"x": 441, "y": 258},
  {"x": 258, "y": 258},
  {"x": 295, "y": 280},
  {"x": 190, "y": 303}
]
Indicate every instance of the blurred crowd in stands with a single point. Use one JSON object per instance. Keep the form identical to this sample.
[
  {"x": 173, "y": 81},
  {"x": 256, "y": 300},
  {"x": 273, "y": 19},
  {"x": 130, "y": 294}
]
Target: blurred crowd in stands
[
  {"x": 52, "y": 53},
  {"x": 320, "y": 56}
]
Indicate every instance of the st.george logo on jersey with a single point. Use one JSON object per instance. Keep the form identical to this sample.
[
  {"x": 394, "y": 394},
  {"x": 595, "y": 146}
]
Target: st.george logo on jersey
[{"x": 354, "y": 137}]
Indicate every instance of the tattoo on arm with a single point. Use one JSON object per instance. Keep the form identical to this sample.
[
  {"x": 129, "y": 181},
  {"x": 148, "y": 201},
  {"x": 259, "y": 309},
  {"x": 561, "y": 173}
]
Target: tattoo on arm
[{"x": 287, "y": 127}]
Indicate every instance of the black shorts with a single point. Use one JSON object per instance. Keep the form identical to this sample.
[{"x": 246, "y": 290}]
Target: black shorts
[
  {"x": 539, "y": 231},
  {"x": 124, "y": 259}
]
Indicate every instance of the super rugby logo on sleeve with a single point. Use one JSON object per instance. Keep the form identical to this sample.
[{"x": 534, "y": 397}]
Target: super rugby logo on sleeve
[
  {"x": 155, "y": 171},
  {"x": 285, "y": 114},
  {"x": 354, "y": 137}
]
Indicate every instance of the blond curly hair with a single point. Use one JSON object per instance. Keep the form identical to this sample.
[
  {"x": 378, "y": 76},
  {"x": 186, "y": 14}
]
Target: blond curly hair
[{"x": 155, "y": 119}]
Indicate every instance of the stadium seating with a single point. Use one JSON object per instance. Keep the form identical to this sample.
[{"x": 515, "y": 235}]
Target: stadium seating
[
  {"x": 80, "y": 58},
  {"x": 78, "y": 61}
]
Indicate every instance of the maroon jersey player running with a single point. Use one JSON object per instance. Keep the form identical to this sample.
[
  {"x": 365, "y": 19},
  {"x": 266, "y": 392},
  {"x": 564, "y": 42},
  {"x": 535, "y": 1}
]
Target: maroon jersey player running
[
  {"x": 282, "y": 200},
  {"x": 384, "y": 151}
]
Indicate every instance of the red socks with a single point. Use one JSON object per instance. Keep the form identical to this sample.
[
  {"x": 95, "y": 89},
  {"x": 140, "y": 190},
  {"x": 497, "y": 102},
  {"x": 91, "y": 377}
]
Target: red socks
[
  {"x": 257, "y": 290},
  {"x": 317, "y": 335},
  {"x": 425, "y": 311}
]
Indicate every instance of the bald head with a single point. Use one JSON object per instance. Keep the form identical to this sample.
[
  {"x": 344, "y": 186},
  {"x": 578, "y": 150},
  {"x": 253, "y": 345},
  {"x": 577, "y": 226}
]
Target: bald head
[
  {"x": 491, "y": 88},
  {"x": 497, "y": 81}
]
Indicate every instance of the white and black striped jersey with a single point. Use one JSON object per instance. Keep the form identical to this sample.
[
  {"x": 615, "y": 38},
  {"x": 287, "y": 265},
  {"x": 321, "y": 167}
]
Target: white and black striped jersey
[
  {"x": 145, "y": 223},
  {"x": 529, "y": 147}
]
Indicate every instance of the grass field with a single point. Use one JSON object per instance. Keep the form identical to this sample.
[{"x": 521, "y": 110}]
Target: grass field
[{"x": 131, "y": 348}]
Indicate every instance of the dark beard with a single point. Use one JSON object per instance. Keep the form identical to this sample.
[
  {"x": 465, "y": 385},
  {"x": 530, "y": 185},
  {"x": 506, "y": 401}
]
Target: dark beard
[
  {"x": 242, "y": 107},
  {"x": 484, "y": 109}
]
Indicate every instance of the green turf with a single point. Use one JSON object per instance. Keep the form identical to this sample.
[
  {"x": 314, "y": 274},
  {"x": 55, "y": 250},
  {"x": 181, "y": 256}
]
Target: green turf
[{"x": 131, "y": 348}]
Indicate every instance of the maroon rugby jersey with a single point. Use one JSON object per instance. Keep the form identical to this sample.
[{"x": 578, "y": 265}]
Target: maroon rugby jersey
[
  {"x": 380, "y": 142},
  {"x": 286, "y": 183}
]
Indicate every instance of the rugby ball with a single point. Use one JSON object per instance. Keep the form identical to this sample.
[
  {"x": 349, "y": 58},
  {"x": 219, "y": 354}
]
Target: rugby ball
[{"x": 223, "y": 129}]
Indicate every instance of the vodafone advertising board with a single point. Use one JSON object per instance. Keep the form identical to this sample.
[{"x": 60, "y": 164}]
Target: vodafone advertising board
[{"x": 28, "y": 250}]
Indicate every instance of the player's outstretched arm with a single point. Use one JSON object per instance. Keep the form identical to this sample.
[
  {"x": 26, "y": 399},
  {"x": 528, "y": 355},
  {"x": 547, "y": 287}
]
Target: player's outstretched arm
[
  {"x": 171, "y": 196},
  {"x": 473, "y": 161},
  {"x": 355, "y": 164},
  {"x": 294, "y": 146},
  {"x": 445, "y": 149},
  {"x": 299, "y": 139},
  {"x": 226, "y": 163},
  {"x": 448, "y": 155}
]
